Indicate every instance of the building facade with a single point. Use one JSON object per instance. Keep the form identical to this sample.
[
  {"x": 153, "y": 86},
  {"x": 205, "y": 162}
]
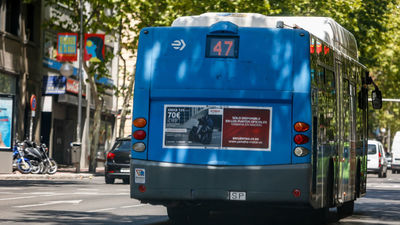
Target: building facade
[
  {"x": 20, "y": 74},
  {"x": 60, "y": 100}
]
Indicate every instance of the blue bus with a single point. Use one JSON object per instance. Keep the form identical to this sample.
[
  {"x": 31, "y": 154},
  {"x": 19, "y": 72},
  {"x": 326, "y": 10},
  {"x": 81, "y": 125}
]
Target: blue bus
[{"x": 245, "y": 109}]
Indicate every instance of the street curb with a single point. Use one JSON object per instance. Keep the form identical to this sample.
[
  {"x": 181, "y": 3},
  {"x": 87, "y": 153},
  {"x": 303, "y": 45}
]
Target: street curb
[{"x": 57, "y": 176}]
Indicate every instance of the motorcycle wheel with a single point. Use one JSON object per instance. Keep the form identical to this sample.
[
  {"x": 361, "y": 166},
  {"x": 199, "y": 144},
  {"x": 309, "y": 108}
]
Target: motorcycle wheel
[
  {"x": 52, "y": 167},
  {"x": 24, "y": 167},
  {"x": 192, "y": 134},
  {"x": 37, "y": 167},
  {"x": 206, "y": 138}
]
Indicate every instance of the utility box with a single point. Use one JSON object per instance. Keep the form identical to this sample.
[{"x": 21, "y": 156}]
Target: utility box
[
  {"x": 75, "y": 152},
  {"x": 5, "y": 161}
]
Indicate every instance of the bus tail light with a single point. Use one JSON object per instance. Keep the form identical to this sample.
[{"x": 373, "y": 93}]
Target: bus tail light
[
  {"x": 296, "y": 193},
  {"x": 139, "y": 147},
  {"x": 139, "y": 134},
  {"x": 301, "y": 127},
  {"x": 301, "y": 151},
  {"x": 142, "y": 188},
  {"x": 140, "y": 122},
  {"x": 300, "y": 139}
]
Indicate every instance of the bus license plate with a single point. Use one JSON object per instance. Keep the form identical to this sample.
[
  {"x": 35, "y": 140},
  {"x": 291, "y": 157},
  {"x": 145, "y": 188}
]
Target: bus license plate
[
  {"x": 237, "y": 195},
  {"x": 125, "y": 170}
]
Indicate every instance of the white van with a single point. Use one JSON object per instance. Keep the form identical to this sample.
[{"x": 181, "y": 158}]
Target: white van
[
  {"x": 376, "y": 162},
  {"x": 396, "y": 153}
]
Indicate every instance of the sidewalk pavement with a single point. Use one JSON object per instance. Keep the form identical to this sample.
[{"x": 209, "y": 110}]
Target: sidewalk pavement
[{"x": 63, "y": 173}]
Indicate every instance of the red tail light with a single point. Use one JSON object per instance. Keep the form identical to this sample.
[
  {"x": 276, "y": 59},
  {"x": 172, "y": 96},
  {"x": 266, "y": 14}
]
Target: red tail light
[
  {"x": 300, "y": 139},
  {"x": 139, "y": 134},
  {"x": 296, "y": 193},
  {"x": 142, "y": 188},
  {"x": 301, "y": 127},
  {"x": 110, "y": 155}
]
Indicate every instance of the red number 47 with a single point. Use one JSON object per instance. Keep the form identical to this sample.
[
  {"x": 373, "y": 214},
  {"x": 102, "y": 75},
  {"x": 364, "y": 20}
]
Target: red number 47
[{"x": 218, "y": 47}]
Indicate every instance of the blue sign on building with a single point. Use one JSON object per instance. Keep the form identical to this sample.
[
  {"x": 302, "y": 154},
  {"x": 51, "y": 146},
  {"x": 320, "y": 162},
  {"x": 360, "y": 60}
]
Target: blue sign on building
[{"x": 54, "y": 85}]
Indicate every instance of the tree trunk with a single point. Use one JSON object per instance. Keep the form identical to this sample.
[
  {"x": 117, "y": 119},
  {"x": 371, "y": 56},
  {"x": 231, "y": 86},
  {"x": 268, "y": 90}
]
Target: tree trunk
[
  {"x": 95, "y": 136},
  {"x": 98, "y": 104},
  {"x": 21, "y": 130}
]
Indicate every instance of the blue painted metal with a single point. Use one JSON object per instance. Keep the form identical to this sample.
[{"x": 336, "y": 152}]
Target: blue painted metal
[{"x": 272, "y": 70}]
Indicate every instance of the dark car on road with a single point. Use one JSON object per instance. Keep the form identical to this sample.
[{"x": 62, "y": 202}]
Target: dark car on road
[{"x": 117, "y": 164}]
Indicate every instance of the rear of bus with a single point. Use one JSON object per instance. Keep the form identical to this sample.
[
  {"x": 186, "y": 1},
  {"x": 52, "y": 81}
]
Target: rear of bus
[{"x": 222, "y": 114}]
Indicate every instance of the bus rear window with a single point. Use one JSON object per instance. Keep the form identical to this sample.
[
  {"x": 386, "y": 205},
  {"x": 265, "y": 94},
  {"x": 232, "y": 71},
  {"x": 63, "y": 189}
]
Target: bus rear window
[
  {"x": 371, "y": 149},
  {"x": 222, "y": 47}
]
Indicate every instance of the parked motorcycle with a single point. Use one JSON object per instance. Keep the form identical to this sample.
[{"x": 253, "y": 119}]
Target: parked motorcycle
[
  {"x": 49, "y": 164},
  {"x": 34, "y": 155},
  {"x": 20, "y": 163}
]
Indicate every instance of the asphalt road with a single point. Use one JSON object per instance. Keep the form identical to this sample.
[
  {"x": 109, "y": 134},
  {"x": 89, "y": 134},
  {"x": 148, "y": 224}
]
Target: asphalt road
[{"x": 90, "y": 201}]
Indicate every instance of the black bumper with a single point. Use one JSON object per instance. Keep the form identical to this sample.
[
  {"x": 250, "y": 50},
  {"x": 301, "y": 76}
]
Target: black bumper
[{"x": 171, "y": 182}]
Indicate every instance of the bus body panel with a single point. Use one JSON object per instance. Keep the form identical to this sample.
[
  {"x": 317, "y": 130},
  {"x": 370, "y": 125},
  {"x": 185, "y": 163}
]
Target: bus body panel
[
  {"x": 188, "y": 78},
  {"x": 280, "y": 152},
  {"x": 169, "y": 182}
]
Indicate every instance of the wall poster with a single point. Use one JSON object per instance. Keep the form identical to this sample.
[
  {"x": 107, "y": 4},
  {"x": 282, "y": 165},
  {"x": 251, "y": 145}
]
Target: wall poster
[
  {"x": 6, "y": 113},
  {"x": 217, "y": 127}
]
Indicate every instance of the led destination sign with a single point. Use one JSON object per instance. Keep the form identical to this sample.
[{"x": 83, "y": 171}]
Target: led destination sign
[{"x": 222, "y": 47}]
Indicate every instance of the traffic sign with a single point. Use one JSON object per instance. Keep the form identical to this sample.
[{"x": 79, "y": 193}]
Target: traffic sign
[{"x": 33, "y": 102}]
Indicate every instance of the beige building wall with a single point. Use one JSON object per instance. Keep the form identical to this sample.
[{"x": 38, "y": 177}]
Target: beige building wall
[{"x": 130, "y": 59}]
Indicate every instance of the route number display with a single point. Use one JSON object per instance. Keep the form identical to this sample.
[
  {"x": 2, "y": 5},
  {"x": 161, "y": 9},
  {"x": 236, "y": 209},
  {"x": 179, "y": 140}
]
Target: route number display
[{"x": 222, "y": 47}]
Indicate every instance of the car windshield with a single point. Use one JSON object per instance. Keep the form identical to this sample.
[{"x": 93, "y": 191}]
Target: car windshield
[
  {"x": 371, "y": 149},
  {"x": 124, "y": 145}
]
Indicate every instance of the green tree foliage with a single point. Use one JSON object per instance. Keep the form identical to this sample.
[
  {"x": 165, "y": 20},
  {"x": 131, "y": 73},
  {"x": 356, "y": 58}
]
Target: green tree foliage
[
  {"x": 99, "y": 16},
  {"x": 374, "y": 24}
]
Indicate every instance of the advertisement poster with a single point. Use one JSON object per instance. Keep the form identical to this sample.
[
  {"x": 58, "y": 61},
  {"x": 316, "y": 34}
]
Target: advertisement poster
[
  {"x": 67, "y": 48},
  {"x": 94, "y": 47},
  {"x": 6, "y": 112},
  {"x": 217, "y": 127},
  {"x": 54, "y": 85}
]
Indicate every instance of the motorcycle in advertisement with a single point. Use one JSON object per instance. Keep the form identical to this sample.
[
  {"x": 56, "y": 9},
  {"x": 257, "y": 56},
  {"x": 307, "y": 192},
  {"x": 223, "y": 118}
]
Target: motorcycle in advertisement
[{"x": 217, "y": 127}]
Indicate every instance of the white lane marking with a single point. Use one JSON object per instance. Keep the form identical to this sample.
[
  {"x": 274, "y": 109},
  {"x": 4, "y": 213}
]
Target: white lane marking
[
  {"x": 132, "y": 206},
  {"x": 87, "y": 189},
  {"x": 49, "y": 203},
  {"x": 369, "y": 221},
  {"x": 16, "y": 198},
  {"x": 11, "y": 188},
  {"x": 101, "y": 210}
]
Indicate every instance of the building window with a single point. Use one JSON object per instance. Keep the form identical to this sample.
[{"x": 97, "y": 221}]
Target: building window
[
  {"x": 13, "y": 8},
  {"x": 7, "y": 84},
  {"x": 29, "y": 22}
]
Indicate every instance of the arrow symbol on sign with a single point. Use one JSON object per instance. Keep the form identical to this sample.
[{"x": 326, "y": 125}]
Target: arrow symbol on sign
[
  {"x": 50, "y": 203},
  {"x": 178, "y": 44}
]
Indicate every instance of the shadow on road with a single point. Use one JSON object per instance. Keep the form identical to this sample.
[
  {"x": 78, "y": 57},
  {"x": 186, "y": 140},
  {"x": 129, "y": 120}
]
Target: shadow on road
[
  {"x": 39, "y": 183},
  {"x": 58, "y": 217}
]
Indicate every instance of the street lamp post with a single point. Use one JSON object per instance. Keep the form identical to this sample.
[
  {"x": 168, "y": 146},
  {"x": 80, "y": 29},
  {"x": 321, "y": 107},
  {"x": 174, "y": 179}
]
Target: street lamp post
[{"x": 67, "y": 70}]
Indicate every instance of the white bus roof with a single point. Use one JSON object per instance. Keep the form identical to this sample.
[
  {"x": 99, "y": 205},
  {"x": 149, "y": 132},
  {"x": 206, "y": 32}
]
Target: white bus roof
[{"x": 324, "y": 28}]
